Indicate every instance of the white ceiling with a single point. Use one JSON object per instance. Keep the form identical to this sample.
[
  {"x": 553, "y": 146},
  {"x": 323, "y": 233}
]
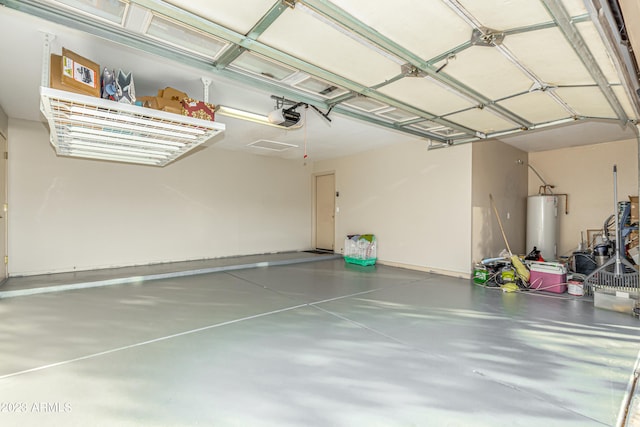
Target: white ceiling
[{"x": 424, "y": 32}]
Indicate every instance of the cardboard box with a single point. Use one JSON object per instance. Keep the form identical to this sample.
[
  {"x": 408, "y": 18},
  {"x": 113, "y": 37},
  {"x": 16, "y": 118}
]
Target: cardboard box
[
  {"x": 172, "y": 109},
  {"x": 55, "y": 77},
  {"x": 148, "y": 101},
  {"x": 198, "y": 109},
  {"x": 80, "y": 73},
  {"x": 172, "y": 94},
  {"x": 167, "y": 104}
]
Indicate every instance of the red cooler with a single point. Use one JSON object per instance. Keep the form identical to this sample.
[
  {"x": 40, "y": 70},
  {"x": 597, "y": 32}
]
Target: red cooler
[{"x": 548, "y": 276}]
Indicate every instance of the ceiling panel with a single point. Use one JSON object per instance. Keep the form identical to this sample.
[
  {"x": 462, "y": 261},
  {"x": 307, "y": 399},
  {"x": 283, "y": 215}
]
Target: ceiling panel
[
  {"x": 481, "y": 120},
  {"x": 587, "y": 101},
  {"x": 621, "y": 94},
  {"x": 591, "y": 37},
  {"x": 486, "y": 70},
  {"x": 574, "y": 7},
  {"x": 403, "y": 21},
  {"x": 312, "y": 40},
  {"x": 427, "y": 95},
  {"x": 580, "y": 132},
  {"x": 536, "y": 107},
  {"x": 506, "y": 14},
  {"x": 548, "y": 54},
  {"x": 227, "y": 13}
]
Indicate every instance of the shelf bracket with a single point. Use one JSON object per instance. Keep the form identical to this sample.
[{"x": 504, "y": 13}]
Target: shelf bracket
[
  {"x": 46, "y": 58},
  {"x": 205, "y": 83}
]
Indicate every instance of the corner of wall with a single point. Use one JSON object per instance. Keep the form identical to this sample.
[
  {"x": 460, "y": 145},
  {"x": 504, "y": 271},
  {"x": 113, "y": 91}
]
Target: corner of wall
[
  {"x": 4, "y": 123},
  {"x": 498, "y": 169}
]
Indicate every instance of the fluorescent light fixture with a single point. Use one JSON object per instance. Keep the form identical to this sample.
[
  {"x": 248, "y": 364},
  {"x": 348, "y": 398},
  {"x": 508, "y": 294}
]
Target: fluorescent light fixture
[
  {"x": 98, "y": 135},
  {"x": 249, "y": 116},
  {"x": 115, "y": 158},
  {"x": 131, "y": 119},
  {"x": 83, "y": 126},
  {"x": 110, "y": 148},
  {"x": 94, "y": 121}
]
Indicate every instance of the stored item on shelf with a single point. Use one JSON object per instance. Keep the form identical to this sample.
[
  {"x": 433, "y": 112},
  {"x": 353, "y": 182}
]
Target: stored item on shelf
[
  {"x": 170, "y": 99},
  {"x": 148, "y": 101},
  {"x": 125, "y": 88},
  {"x": 198, "y": 109},
  {"x": 80, "y": 73},
  {"x": 548, "y": 276},
  {"x": 55, "y": 77}
]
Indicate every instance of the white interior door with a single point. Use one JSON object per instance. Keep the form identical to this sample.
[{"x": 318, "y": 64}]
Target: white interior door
[
  {"x": 3, "y": 204},
  {"x": 325, "y": 212}
]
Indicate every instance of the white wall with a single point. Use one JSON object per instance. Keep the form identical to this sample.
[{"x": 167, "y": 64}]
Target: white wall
[
  {"x": 500, "y": 170},
  {"x": 415, "y": 201},
  {"x": 69, "y": 214},
  {"x": 586, "y": 174}
]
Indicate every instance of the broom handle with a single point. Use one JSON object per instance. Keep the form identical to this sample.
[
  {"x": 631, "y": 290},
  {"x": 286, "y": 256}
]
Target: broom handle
[{"x": 504, "y": 236}]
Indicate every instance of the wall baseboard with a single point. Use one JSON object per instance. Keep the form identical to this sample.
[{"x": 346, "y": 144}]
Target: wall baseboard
[{"x": 440, "y": 271}]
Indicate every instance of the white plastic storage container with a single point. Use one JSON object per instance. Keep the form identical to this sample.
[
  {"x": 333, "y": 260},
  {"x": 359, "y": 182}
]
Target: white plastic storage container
[{"x": 360, "y": 249}]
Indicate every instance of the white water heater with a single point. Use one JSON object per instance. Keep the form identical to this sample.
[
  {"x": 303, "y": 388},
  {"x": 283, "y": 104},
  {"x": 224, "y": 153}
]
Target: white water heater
[{"x": 542, "y": 225}]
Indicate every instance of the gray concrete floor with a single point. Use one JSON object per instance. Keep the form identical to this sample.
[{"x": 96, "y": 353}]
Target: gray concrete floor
[{"x": 311, "y": 344}]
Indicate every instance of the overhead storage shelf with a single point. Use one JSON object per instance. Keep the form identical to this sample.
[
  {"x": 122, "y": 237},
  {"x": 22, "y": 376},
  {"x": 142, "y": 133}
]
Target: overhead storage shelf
[{"x": 90, "y": 127}]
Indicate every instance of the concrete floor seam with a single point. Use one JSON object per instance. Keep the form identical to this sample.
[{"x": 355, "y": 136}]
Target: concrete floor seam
[
  {"x": 147, "y": 342},
  {"x": 421, "y": 350},
  {"x": 536, "y": 396}
]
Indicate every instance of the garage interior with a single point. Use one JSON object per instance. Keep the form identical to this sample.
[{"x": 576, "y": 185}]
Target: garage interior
[{"x": 205, "y": 284}]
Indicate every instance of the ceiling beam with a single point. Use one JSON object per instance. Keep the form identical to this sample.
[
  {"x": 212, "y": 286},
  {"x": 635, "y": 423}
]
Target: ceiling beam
[
  {"x": 337, "y": 15},
  {"x": 260, "y": 27},
  {"x": 571, "y": 33},
  {"x": 245, "y": 42},
  {"x": 108, "y": 32}
]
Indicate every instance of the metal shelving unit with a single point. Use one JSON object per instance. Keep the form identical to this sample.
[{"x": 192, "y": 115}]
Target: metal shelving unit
[{"x": 90, "y": 127}]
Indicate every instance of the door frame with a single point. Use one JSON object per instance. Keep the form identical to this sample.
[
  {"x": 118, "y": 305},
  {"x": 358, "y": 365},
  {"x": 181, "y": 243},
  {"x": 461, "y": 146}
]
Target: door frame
[
  {"x": 314, "y": 200},
  {"x": 4, "y": 194}
]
